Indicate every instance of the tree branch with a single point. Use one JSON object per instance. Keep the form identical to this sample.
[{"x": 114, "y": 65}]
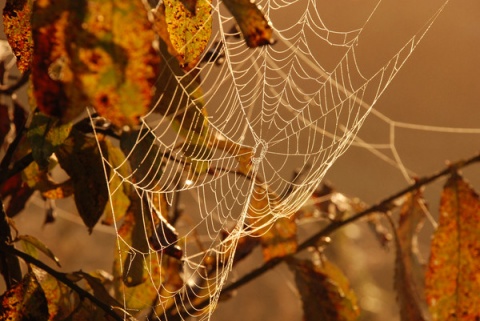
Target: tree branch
[
  {"x": 381, "y": 206},
  {"x": 62, "y": 277}
]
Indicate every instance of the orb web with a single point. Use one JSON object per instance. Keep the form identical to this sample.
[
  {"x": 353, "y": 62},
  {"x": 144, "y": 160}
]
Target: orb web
[{"x": 213, "y": 160}]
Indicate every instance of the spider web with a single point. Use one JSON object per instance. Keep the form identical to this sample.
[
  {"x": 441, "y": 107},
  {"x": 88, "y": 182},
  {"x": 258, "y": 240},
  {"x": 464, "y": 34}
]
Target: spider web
[{"x": 275, "y": 109}]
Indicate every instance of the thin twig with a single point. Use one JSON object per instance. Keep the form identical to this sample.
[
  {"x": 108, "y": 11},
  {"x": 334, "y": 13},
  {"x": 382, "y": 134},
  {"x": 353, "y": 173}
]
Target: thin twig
[
  {"x": 12, "y": 88},
  {"x": 62, "y": 277},
  {"x": 17, "y": 168},
  {"x": 312, "y": 241}
]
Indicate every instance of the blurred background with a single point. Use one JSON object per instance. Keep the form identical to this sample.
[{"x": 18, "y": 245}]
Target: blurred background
[{"x": 423, "y": 120}]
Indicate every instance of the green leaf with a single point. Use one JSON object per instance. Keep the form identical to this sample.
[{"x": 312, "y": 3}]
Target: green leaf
[
  {"x": 45, "y": 135},
  {"x": 452, "y": 279},
  {"x": 39, "y": 246},
  {"x": 188, "y": 31},
  {"x": 24, "y": 301},
  {"x": 409, "y": 271},
  {"x": 325, "y": 292},
  {"x": 80, "y": 158},
  {"x": 256, "y": 29},
  {"x": 85, "y": 54},
  {"x": 16, "y": 23}
]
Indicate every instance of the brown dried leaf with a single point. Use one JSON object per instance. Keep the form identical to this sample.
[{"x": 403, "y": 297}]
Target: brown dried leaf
[
  {"x": 19, "y": 193},
  {"x": 24, "y": 301},
  {"x": 452, "y": 279},
  {"x": 408, "y": 269},
  {"x": 325, "y": 292},
  {"x": 256, "y": 29},
  {"x": 4, "y": 122},
  {"x": 39, "y": 246},
  {"x": 16, "y": 22}
]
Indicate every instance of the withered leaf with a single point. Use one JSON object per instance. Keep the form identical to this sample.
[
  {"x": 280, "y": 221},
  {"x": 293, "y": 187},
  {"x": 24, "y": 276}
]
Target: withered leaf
[
  {"x": 4, "y": 123},
  {"x": 409, "y": 270},
  {"x": 278, "y": 236},
  {"x": 256, "y": 29},
  {"x": 452, "y": 281},
  {"x": 325, "y": 292},
  {"x": 24, "y": 301},
  {"x": 80, "y": 158},
  {"x": 16, "y": 22}
]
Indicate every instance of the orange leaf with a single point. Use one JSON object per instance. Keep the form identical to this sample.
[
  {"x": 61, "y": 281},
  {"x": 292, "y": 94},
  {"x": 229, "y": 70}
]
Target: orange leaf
[
  {"x": 325, "y": 292},
  {"x": 453, "y": 275},
  {"x": 277, "y": 235},
  {"x": 408, "y": 270},
  {"x": 16, "y": 22}
]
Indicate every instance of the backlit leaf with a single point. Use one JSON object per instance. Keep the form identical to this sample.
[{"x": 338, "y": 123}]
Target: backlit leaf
[
  {"x": 325, "y": 292},
  {"x": 58, "y": 295},
  {"x": 409, "y": 271},
  {"x": 24, "y": 301},
  {"x": 80, "y": 158},
  {"x": 452, "y": 279},
  {"x": 16, "y": 22},
  {"x": 119, "y": 191},
  {"x": 85, "y": 54},
  {"x": 39, "y": 246},
  {"x": 188, "y": 31},
  {"x": 256, "y": 29},
  {"x": 278, "y": 236}
]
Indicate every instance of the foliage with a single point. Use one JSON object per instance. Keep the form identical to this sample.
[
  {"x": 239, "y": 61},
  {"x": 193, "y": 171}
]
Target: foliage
[{"x": 82, "y": 53}]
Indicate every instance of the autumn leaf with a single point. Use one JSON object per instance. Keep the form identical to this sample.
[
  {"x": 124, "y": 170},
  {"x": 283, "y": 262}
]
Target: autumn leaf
[
  {"x": 16, "y": 23},
  {"x": 80, "y": 158},
  {"x": 256, "y": 29},
  {"x": 45, "y": 135},
  {"x": 4, "y": 123},
  {"x": 325, "y": 291},
  {"x": 452, "y": 279},
  {"x": 85, "y": 54},
  {"x": 409, "y": 270},
  {"x": 19, "y": 193},
  {"x": 58, "y": 295},
  {"x": 187, "y": 31},
  {"x": 24, "y": 301},
  {"x": 278, "y": 236},
  {"x": 33, "y": 241}
]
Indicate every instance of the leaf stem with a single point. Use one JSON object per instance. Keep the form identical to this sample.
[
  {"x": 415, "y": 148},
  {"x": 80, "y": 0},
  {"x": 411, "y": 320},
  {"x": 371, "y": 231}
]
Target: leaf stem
[{"x": 381, "y": 206}]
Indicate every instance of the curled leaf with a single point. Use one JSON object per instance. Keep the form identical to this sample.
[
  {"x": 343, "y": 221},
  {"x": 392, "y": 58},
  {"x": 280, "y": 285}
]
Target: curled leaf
[{"x": 452, "y": 279}]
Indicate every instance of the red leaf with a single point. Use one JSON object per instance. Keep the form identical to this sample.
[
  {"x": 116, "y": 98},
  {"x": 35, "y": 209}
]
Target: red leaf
[
  {"x": 452, "y": 279},
  {"x": 20, "y": 193}
]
